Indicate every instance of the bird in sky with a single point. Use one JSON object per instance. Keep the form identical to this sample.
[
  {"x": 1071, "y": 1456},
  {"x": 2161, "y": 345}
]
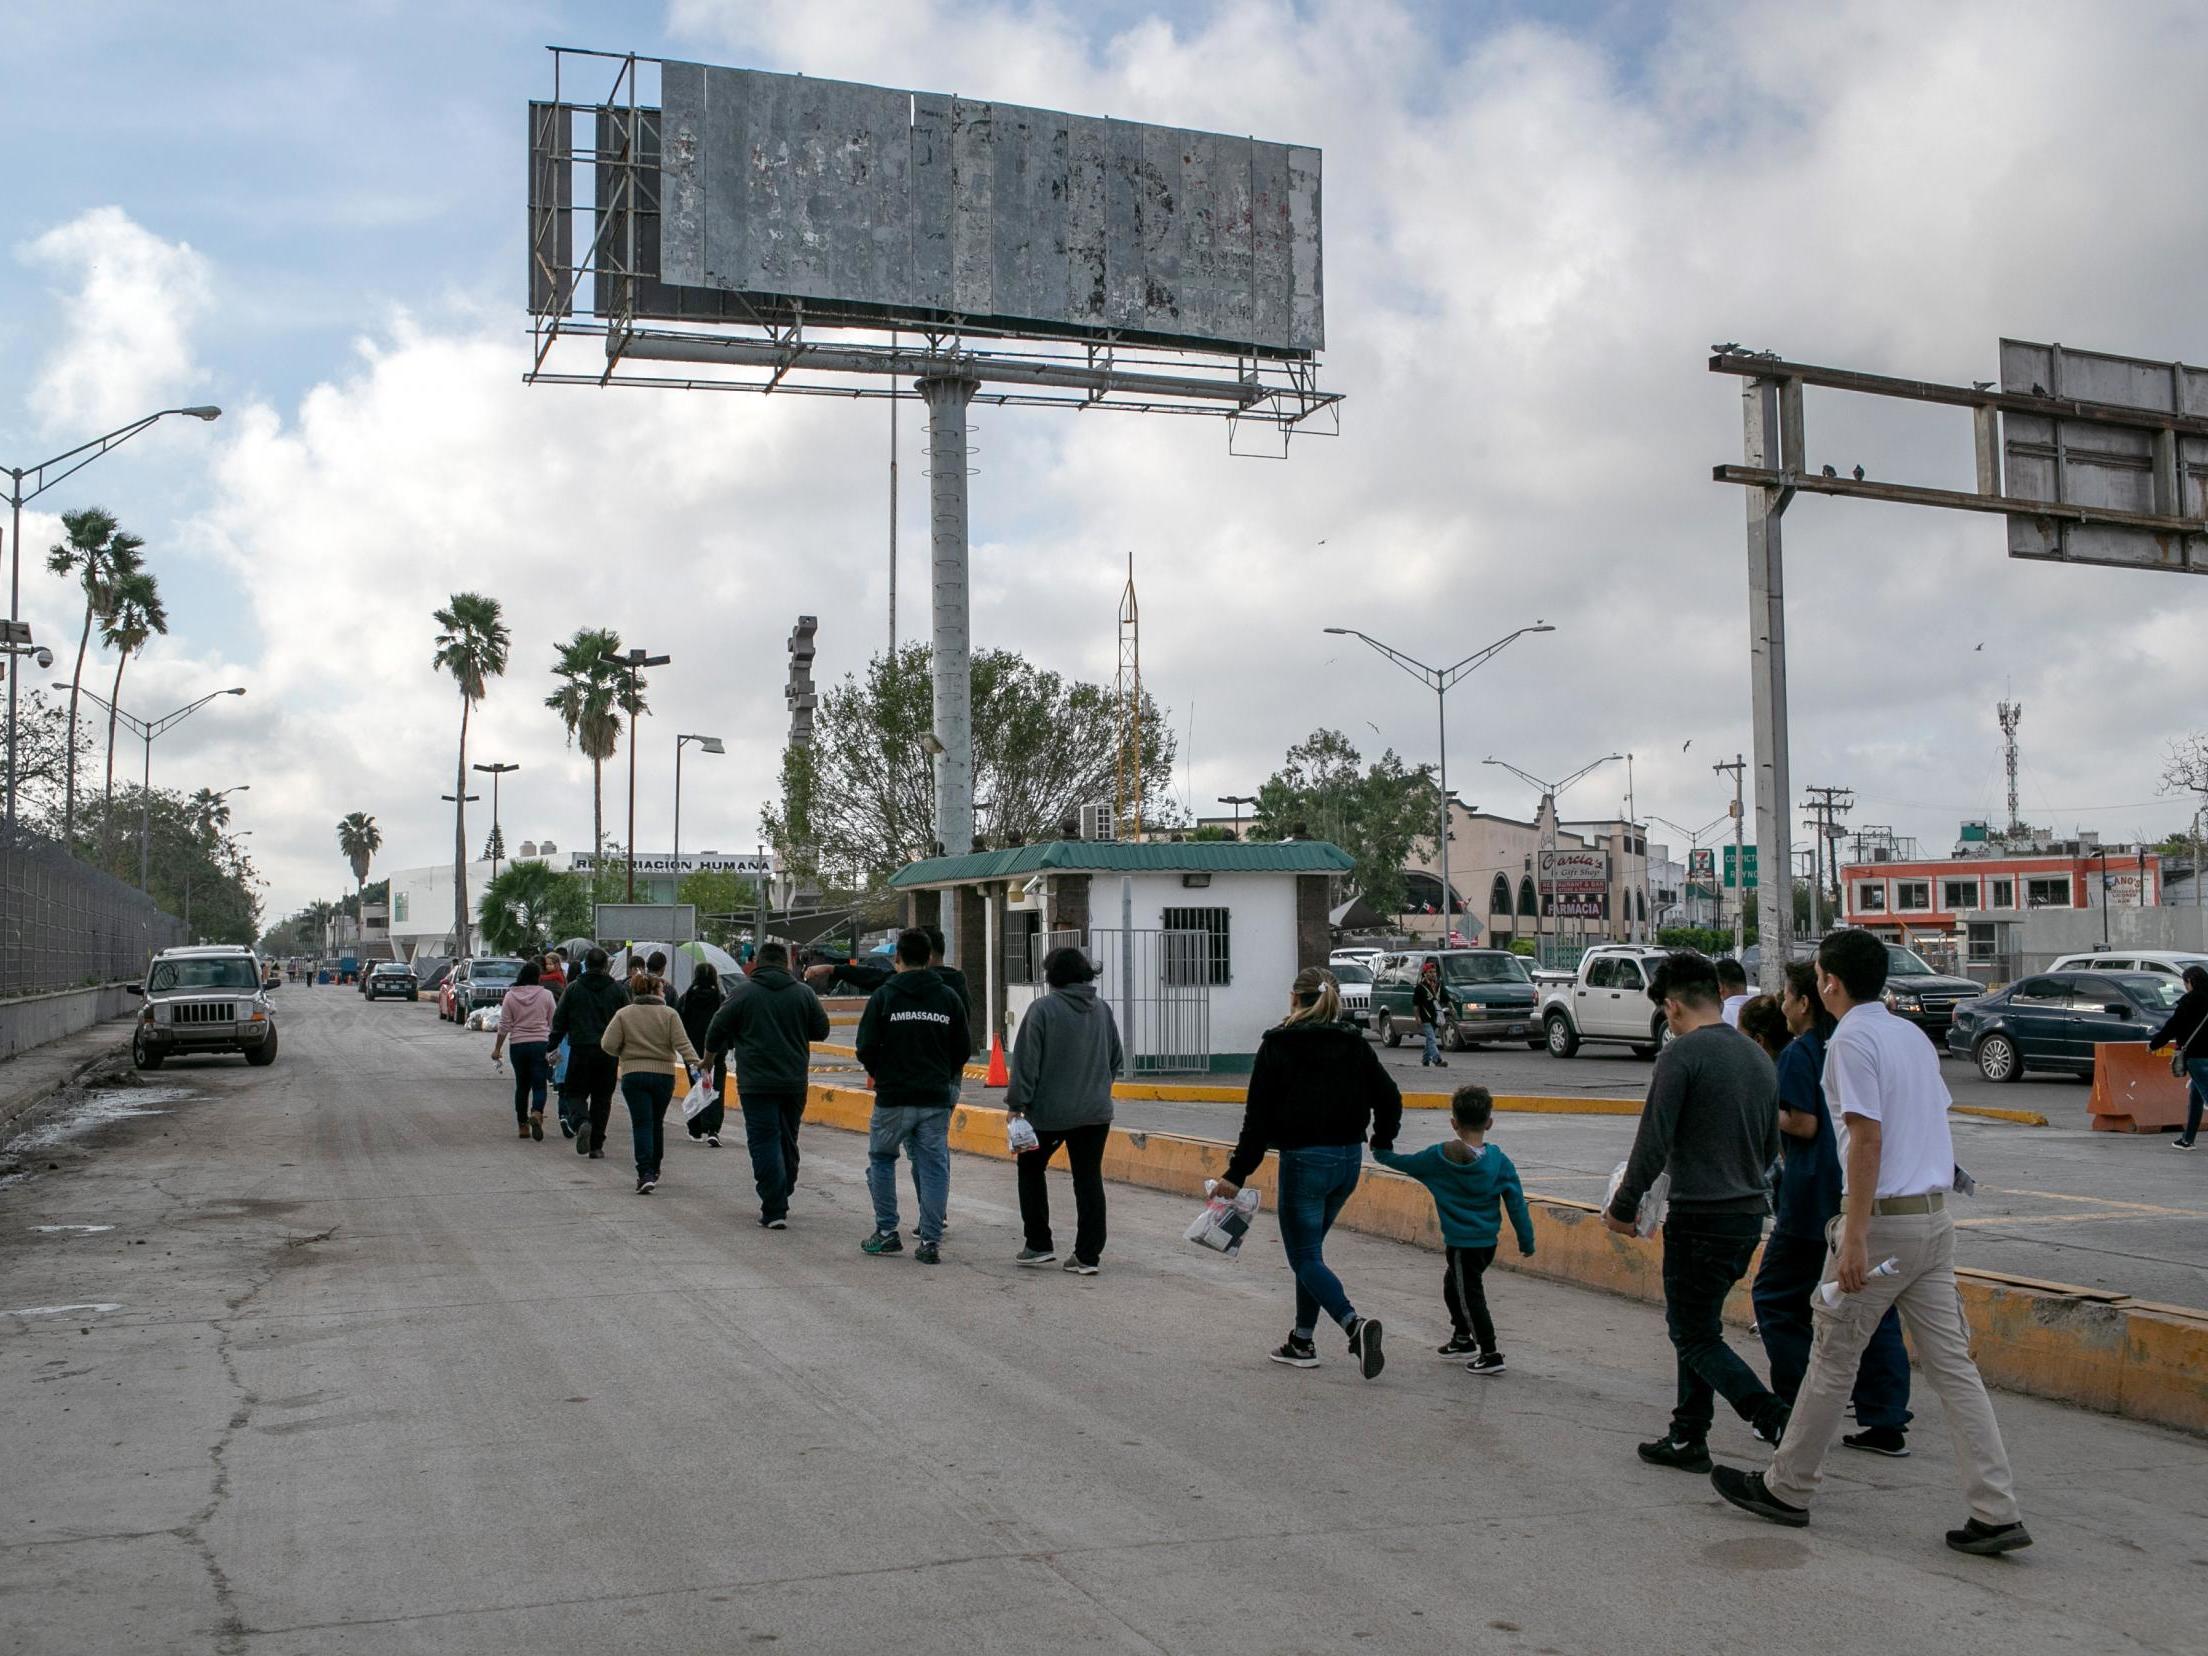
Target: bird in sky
[
  {"x": 1981, "y": 385},
  {"x": 1322, "y": 543},
  {"x": 1859, "y": 474},
  {"x": 1726, "y": 349},
  {"x": 1977, "y": 646},
  {"x": 1829, "y": 472},
  {"x": 1683, "y": 746}
]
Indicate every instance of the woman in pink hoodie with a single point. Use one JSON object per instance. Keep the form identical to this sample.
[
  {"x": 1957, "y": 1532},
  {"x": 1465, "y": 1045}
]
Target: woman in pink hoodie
[{"x": 524, "y": 1029}]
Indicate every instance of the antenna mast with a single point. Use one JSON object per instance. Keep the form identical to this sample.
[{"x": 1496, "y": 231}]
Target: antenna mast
[
  {"x": 2011, "y": 714},
  {"x": 1127, "y": 803}
]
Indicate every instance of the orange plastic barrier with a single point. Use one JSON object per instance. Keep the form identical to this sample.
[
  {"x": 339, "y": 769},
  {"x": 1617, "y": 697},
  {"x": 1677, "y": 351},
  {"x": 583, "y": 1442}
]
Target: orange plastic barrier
[{"x": 2133, "y": 1090}]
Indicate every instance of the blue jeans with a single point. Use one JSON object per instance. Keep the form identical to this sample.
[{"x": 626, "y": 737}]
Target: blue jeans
[
  {"x": 1791, "y": 1269},
  {"x": 1314, "y": 1184},
  {"x": 531, "y": 1073},
  {"x": 925, "y": 1135},
  {"x": 1432, "y": 1033},
  {"x": 647, "y": 1097},
  {"x": 2196, "y": 1090}
]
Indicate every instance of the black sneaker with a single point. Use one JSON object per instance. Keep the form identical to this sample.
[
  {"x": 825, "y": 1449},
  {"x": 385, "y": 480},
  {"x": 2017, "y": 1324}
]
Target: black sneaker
[
  {"x": 567, "y": 1128},
  {"x": 1772, "y": 1427},
  {"x": 582, "y": 1139},
  {"x": 1460, "y": 1345},
  {"x": 1487, "y": 1362},
  {"x": 712, "y": 1141},
  {"x": 1890, "y": 1441},
  {"x": 1746, "y": 1491},
  {"x": 2181, "y": 1144},
  {"x": 1669, "y": 1451},
  {"x": 1035, "y": 1256},
  {"x": 928, "y": 1253},
  {"x": 883, "y": 1242},
  {"x": 1988, "y": 1539},
  {"x": 1364, "y": 1345},
  {"x": 1295, "y": 1353},
  {"x": 1077, "y": 1266},
  {"x": 644, "y": 1187},
  {"x": 773, "y": 1224}
]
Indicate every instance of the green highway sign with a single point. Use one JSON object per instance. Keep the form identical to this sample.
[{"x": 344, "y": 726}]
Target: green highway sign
[{"x": 1731, "y": 872}]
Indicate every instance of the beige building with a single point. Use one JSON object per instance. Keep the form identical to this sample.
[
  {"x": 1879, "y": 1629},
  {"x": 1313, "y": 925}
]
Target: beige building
[{"x": 1570, "y": 883}]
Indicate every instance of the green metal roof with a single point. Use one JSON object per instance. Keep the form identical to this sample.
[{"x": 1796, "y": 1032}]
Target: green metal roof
[{"x": 1123, "y": 857}]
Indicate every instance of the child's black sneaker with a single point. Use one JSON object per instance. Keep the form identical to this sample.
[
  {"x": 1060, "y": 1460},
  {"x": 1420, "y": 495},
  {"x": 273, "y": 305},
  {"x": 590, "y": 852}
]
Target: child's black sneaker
[
  {"x": 1364, "y": 1345},
  {"x": 1295, "y": 1353},
  {"x": 1460, "y": 1345},
  {"x": 1487, "y": 1362}
]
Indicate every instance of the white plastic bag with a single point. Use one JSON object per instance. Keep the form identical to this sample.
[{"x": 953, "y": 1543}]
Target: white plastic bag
[
  {"x": 702, "y": 1096},
  {"x": 1223, "y": 1223},
  {"x": 1019, "y": 1135},
  {"x": 1655, "y": 1200}
]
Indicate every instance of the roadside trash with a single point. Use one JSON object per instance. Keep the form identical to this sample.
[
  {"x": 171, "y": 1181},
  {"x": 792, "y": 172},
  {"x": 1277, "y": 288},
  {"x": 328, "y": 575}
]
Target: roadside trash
[
  {"x": 1831, "y": 1294},
  {"x": 1654, "y": 1200},
  {"x": 1223, "y": 1222}
]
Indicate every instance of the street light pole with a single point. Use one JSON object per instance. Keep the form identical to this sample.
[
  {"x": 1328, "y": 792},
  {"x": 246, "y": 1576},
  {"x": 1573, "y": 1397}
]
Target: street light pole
[
  {"x": 61, "y": 465},
  {"x": 633, "y": 663},
  {"x": 1552, "y": 791},
  {"x": 706, "y": 744},
  {"x": 498, "y": 839},
  {"x": 1238, "y": 801},
  {"x": 147, "y": 730},
  {"x": 460, "y": 943},
  {"x": 1441, "y": 680}
]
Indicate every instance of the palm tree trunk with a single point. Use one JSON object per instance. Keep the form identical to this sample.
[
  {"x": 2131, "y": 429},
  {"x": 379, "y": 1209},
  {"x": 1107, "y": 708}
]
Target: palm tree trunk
[
  {"x": 597, "y": 814},
  {"x": 107, "y": 796},
  {"x": 460, "y": 840},
  {"x": 69, "y": 758}
]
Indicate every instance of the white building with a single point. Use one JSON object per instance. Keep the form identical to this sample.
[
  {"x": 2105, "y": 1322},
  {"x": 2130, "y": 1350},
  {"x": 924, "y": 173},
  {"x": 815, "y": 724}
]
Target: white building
[
  {"x": 421, "y": 898},
  {"x": 1197, "y": 942}
]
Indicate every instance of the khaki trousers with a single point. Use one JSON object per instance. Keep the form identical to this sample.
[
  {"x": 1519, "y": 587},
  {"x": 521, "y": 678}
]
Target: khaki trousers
[{"x": 1923, "y": 1292}]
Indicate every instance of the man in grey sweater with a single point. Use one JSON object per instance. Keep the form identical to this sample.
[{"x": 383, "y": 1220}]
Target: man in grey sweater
[
  {"x": 1712, "y": 1122},
  {"x": 1063, "y": 1061}
]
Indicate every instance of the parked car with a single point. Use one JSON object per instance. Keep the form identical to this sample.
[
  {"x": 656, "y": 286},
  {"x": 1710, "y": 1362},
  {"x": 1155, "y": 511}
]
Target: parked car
[
  {"x": 1607, "y": 1000},
  {"x": 1354, "y": 979},
  {"x": 1367, "y": 956},
  {"x": 2167, "y": 962},
  {"x": 207, "y": 999},
  {"x": 392, "y": 980},
  {"x": 1923, "y": 995},
  {"x": 477, "y": 983},
  {"x": 2053, "y": 1020},
  {"x": 1490, "y": 992}
]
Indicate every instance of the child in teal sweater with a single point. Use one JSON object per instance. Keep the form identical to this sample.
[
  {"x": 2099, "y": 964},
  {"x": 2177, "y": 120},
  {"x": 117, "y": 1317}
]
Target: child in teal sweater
[{"x": 1471, "y": 1182}]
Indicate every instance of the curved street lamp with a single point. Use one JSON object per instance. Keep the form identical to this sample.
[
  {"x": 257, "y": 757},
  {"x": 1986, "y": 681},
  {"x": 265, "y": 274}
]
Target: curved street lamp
[{"x": 146, "y": 730}]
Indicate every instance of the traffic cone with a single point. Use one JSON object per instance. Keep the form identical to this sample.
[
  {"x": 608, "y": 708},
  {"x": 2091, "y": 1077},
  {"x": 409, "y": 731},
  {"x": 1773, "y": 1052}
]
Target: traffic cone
[{"x": 999, "y": 1076}]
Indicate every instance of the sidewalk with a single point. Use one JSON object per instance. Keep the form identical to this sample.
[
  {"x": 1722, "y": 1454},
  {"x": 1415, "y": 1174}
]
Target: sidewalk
[{"x": 30, "y": 1078}]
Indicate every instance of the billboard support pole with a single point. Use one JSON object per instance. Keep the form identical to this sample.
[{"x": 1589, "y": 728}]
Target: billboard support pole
[{"x": 947, "y": 398}]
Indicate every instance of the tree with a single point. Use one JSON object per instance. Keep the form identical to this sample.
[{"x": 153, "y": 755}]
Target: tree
[
  {"x": 212, "y": 810},
  {"x": 591, "y": 699},
  {"x": 359, "y": 839},
  {"x": 46, "y": 748},
  {"x": 529, "y": 907},
  {"x": 1376, "y": 813},
  {"x": 96, "y": 552},
  {"x": 206, "y": 879},
  {"x": 471, "y": 646},
  {"x": 860, "y": 801},
  {"x": 718, "y": 891},
  {"x": 494, "y": 848},
  {"x": 134, "y": 613}
]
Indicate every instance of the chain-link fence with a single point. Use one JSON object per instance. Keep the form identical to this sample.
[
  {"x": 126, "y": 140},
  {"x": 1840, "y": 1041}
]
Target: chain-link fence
[{"x": 66, "y": 925}]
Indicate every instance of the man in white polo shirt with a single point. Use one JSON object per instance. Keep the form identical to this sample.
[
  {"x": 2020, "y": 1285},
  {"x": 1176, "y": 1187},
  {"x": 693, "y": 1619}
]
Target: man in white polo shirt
[{"x": 1882, "y": 1080}]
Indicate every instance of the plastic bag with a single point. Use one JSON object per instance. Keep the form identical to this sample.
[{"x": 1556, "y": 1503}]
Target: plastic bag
[
  {"x": 1655, "y": 1200},
  {"x": 1019, "y": 1135},
  {"x": 1223, "y": 1223},
  {"x": 702, "y": 1097},
  {"x": 559, "y": 1065}
]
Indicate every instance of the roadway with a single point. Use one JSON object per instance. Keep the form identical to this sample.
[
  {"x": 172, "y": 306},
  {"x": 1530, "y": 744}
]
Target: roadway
[{"x": 350, "y": 1369}]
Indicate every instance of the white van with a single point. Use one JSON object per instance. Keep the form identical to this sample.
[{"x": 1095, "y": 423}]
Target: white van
[{"x": 2166, "y": 962}]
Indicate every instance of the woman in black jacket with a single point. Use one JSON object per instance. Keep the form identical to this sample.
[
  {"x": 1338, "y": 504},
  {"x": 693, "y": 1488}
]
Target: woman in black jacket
[
  {"x": 1314, "y": 1089},
  {"x": 698, "y": 1004},
  {"x": 2188, "y": 1024}
]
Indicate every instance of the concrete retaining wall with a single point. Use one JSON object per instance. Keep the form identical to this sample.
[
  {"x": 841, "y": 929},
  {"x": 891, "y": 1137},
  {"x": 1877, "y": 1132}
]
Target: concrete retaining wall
[
  {"x": 2075, "y": 1345},
  {"x": 32, "y": 1020}
]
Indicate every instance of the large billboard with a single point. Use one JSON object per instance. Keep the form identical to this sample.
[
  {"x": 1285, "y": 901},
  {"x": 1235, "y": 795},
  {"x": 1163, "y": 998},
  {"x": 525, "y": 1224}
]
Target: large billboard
[{"x": 781, "y": 197}]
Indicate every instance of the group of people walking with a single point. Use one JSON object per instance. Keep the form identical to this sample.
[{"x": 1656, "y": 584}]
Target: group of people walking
[{"x": 1817, "y": 1108}]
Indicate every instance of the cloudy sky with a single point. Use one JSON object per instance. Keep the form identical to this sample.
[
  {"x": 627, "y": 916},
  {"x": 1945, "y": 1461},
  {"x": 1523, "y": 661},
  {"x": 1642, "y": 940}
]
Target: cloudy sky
[{"x": 1538, "y": 220}]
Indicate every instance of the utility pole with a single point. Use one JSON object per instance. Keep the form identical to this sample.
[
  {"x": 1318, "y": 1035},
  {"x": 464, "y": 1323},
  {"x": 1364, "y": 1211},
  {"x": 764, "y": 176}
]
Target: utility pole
[
  {"x": 1738, "y": 766},
  {"x": 1825, "y": 804}
]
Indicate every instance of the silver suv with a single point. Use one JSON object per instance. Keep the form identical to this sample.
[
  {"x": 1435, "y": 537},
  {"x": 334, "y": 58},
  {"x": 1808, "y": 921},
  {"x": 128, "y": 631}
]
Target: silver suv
[{"x": 203, "y": 1000}]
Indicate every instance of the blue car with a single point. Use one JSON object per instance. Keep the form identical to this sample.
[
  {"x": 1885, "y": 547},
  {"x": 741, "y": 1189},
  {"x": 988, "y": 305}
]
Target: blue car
[{"x": 2053, "y": 1021}]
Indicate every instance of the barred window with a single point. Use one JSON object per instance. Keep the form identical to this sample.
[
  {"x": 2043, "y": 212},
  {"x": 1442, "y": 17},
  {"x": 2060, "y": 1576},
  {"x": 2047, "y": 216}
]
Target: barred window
[{"x": 1215, "y": 964}]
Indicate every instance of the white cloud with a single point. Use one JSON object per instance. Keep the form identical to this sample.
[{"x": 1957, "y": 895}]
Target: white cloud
[{"x": 128, "y": 305}]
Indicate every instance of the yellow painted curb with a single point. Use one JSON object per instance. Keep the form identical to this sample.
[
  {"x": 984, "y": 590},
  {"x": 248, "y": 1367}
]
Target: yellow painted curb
[
  {"x": 2076, "y": 1345},
  {"x": 2027, "y": 1118}
]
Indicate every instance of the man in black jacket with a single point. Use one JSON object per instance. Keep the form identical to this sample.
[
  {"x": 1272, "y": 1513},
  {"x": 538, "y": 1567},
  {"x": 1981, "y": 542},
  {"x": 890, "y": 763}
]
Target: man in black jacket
[
  {"x": 1712, "y": 1123},
  {"x": 957, "y": 980},
  {"x": 768, "y": 1025},
  {"x": 586, "y": 1096},
  {"x": 913, "y": 1041}
]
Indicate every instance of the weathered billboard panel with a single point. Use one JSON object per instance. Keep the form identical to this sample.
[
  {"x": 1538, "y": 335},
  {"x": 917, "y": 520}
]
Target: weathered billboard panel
[{"x": 873, "y": 207}]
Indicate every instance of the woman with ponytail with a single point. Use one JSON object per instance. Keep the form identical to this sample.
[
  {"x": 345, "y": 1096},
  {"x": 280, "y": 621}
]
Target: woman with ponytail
[{"x": 1314, "y": 1090}]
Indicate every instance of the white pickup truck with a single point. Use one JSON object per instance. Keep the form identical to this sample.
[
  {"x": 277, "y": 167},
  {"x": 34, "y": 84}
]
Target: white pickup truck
[{"x": 1607, "y": 1001}]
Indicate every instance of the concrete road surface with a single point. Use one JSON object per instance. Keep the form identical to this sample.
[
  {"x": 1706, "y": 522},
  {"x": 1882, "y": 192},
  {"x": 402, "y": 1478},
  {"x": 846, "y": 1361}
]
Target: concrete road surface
[{"x": 320, "y": 1359}]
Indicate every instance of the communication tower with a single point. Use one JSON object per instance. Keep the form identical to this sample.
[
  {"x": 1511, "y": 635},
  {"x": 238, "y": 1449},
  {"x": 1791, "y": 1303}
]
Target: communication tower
[
  {"x": 1127, "y": 790},
  {"x": 2011, "y": 714}
]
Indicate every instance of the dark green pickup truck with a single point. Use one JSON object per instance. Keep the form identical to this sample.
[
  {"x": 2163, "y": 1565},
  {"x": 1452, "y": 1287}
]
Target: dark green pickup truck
[{"x": 1491, "y": 998}]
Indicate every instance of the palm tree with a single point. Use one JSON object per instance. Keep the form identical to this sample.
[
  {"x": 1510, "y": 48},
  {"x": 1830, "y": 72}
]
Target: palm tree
[
  {"x": 360, "y": 839},
  {"x": 592, "y": 697},
  {"x": 471, "y": 646},
  {"x": 210, "y": 810},
  {"x": 322, "y": 913},
  {"x": 134, "y": 613},
  {"x": 96, "y": 552}
]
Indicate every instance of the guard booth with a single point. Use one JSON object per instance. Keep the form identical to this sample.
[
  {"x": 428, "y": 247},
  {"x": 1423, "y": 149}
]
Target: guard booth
[{"x": 1196, "y": 943}]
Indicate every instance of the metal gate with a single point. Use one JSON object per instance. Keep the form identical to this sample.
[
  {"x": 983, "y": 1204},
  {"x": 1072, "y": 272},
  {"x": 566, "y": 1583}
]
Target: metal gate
[{"x": 1167, "y": 1027}]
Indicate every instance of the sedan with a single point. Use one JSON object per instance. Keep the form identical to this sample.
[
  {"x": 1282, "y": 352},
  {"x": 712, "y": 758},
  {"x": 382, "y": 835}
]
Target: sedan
[
  {"x": 2053, "y": 1021},
  {"x": 393, "y": 978}
]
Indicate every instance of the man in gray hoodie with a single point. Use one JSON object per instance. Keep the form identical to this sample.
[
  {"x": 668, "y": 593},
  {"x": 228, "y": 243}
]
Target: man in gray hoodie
[{"x": 1063, "y": 1061}]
